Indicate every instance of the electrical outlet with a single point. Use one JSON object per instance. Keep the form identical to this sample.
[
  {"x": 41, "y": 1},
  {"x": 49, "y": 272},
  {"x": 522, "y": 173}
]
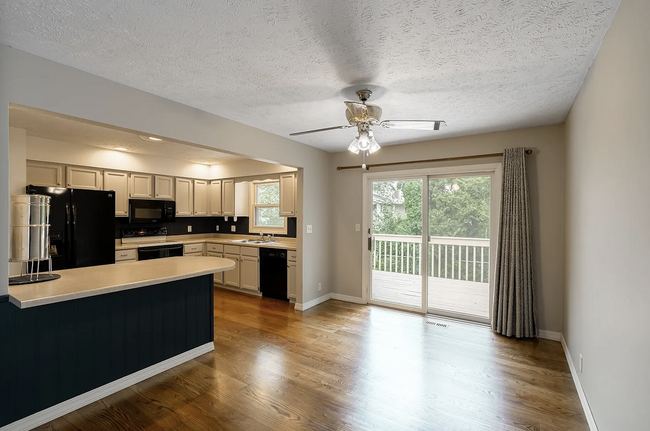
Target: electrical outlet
[
  {"x": 319, "y": 287},
  {"x": 217, "y": 228},
  {"x": 189, "y": 229},
  {"x": 581, "y": 362},
  {"x": 309, "y": 228},
  {"x": 233, "y": 228},
  {"x": 357, "y": 227}
]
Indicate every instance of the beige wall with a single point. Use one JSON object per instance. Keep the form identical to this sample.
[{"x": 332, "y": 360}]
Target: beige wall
[
  {"x": 546, "y": 177},
  {"x": 32, "y": 81},
  {"x": 607, "y": 302},
  {"x": 17, "y": 172}
]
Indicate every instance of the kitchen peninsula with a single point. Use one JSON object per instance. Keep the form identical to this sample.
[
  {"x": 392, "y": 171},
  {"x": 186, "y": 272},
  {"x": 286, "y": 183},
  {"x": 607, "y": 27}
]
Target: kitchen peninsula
[{"x": 96, "y": 330}]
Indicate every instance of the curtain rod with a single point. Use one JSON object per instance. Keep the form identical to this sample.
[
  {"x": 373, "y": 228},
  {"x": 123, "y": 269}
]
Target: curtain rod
[{"x": 445, "y": 159}]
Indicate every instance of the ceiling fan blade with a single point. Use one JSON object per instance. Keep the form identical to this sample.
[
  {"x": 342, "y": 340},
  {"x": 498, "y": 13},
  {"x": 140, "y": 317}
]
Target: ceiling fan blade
[
  {"x": 347, "y": 126},
  {"x": 412, "y": 124}
]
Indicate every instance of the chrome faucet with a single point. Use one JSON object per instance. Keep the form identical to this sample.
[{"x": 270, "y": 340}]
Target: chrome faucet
[{"x": 261, "y": 236}]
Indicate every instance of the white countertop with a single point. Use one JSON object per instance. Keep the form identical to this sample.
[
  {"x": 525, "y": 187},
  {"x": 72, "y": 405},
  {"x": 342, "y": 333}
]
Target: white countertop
[
  {"x": 212, "y": 240},
  {"x": 99, "y": 280}
]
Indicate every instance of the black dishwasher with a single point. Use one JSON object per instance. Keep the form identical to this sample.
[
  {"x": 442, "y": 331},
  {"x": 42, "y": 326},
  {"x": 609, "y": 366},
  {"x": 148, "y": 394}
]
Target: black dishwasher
[{"x": 273, "y": 273}]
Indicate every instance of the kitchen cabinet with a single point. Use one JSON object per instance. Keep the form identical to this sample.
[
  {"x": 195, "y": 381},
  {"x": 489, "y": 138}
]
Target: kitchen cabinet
[
  {"x": 124, "y": 256},
  {"x": 242, "y": 202},
  {"x": 287, "y": 195},
  {"x": 250, "y": 268},
  {"x": 141, "y": 186},
  {"x": 231, "y": 278},
  {"x": 83, "y": 178},
  {"x": 119, "y": 183},
  {"x": 44, "y": 174},
  {"x": 216, "y": 250},
  {"x": 184, "y": 197},
  {"x": 164, "y": 187},
  {"x": 200, "y": 198},
  {"x": 215, "y": 197},
  {"x": 228, "y": 198},
  {"x": 193, "y": 249},
  {"x": 291, "y": 275}
]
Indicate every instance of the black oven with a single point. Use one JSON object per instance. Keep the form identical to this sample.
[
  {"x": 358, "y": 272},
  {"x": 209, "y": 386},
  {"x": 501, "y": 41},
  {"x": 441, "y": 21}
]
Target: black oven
[
  {"x": 151, "y": 211},
  {"x": 159, "y": 251}
]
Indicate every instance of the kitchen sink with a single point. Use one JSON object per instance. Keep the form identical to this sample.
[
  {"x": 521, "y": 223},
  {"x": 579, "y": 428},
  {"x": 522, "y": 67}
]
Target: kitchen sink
[{"x": 248, "y": 241}]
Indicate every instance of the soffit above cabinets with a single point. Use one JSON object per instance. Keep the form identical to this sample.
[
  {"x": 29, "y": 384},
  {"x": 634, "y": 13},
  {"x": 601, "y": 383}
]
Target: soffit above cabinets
[
  {"x": 285, "y": 66},
  {"x": 45, "y": 124}
]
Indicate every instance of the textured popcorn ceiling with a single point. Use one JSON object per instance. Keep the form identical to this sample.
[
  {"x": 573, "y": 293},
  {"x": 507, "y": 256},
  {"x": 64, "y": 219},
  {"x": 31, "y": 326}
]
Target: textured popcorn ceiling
[{"x": 287, "y": 65}]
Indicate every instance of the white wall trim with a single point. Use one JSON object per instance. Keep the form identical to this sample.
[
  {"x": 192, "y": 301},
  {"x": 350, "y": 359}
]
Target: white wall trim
[
  {"x": 56, "y": 411},
  {"x": 307, "y": 305},
  {"x": 347, "y": 298},
  {"x": 581, "y": 393},
  {"x": 550, "y": 335}
]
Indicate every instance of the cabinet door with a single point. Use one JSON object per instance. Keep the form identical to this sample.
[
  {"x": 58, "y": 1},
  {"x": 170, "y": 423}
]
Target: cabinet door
[
  {"x": 218, "y": 276},
  {"x": 242, "y": 202},
  {"x": 84, "y": 178},
  {"x": 119, "y": 183},
  {"x": 44, "y": 174},
  {"x": 228, "y": 198},
  {"x": 291, "y": 280},
  {"x": 231, "y": 278},
  {"x": 287, "y": 195},
  {"x": 250, "y": 269},
  {"x": 141, "y": 186},
  {"x": 200, "y": 198},
  {"x": 215, "y": 198},
  {"x": 164, "y": 187},
  {"x": 184, "y": 192}
]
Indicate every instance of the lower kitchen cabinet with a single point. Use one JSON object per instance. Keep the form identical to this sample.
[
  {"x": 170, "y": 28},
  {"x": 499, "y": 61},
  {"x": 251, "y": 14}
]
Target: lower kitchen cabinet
[
  {"x": 231, "y": 278},
  {"x": 250, "y": 269},
  {"x": 291, "y": 279},
  {"x": 218, "y": 276}
]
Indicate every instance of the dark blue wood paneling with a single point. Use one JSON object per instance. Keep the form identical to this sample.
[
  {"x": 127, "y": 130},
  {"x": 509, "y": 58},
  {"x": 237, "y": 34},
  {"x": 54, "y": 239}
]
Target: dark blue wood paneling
[{"x": 55, "y": 352}]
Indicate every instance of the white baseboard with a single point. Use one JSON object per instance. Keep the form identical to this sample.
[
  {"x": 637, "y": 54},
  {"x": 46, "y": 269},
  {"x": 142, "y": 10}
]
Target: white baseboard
[
  {"x": 56, "y": 411},
  {"x": 550, "y": 335},
  {"x": 581, "y": 393},
  {"x": 347, "y": 298},
  {"x": 314, "y": 302}
]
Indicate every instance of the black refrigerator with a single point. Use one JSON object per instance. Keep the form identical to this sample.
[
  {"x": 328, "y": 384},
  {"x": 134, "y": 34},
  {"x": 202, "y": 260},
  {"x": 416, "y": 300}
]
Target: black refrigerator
[{"x": 82, "y": 226}]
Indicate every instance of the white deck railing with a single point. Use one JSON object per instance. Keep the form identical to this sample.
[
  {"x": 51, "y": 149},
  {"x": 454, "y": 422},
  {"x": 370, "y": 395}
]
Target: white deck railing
[{"x": 454, "y": 258}]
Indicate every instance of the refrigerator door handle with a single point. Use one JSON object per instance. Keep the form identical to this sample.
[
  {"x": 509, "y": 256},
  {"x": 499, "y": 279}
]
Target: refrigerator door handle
[
  {"x": 67, "y": 214},
  {"x": 74, "y": 214}
]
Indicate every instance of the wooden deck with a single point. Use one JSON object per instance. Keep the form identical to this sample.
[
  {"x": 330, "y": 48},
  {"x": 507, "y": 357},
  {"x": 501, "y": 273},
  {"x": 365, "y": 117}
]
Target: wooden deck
[{"x": 456, "y": 296}]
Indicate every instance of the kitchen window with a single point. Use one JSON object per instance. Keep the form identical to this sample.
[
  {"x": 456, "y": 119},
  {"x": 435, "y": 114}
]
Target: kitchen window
[{"x": 265, "y": 208}]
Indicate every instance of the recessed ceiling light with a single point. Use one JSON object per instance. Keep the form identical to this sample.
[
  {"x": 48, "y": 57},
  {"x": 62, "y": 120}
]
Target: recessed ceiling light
[
  {"x": 120, "y": 149},
  {"x": 149, "y": 138}
]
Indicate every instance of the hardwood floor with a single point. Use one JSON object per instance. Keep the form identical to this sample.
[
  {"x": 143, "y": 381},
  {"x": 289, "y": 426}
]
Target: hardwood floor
[{"x": 342, "y": 366}]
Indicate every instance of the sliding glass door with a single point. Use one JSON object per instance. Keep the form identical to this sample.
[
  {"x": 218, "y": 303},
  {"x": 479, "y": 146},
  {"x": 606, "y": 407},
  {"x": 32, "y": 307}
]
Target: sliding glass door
[{"x": 429, "y": 241}]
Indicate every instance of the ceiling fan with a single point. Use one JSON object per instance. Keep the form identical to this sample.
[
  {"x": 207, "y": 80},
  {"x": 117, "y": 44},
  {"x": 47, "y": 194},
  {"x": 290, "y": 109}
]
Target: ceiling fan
[{"x": 362, "y": 116}]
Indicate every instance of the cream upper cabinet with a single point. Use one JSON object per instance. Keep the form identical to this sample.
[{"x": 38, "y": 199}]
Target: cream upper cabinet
[
  {"x": 200, "y": 198},
  {"x": 228, "y": 198},
  {"x": 250, "y": 269},
  {"x": 242, "y": 202},
  {"x": 141, "y": 186},
  {"x": 287, "y": 195},
  {"x": 44, "y": 174},
  {"x": 184, "y": 197},
  {"x": 164, "y": 187},
  {"x": 215, "y": 197},
  {"x": 118, "y": 182},
  {"x": 83, "y": 178}
]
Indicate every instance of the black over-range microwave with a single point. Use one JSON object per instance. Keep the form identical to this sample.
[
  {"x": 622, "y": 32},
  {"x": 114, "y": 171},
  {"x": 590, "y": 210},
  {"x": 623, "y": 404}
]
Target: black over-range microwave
[{"x": 151, "y": 211}]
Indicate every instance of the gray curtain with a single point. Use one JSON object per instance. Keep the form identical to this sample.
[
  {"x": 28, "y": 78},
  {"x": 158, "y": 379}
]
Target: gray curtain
[{"x": 514, "y": 293}]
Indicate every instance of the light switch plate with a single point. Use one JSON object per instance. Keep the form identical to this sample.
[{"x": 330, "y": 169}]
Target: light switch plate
[
  {"x": 217, "y": 228},
  {"x": 189, "y": 228},
  {"x": 357, "y": 227},
  {"x": 309, "y": 228},
  {"x": 233, "y": 228}
]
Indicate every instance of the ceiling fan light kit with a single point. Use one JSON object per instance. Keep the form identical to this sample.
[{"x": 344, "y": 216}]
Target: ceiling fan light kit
[{"x": 362, "y": 116}]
